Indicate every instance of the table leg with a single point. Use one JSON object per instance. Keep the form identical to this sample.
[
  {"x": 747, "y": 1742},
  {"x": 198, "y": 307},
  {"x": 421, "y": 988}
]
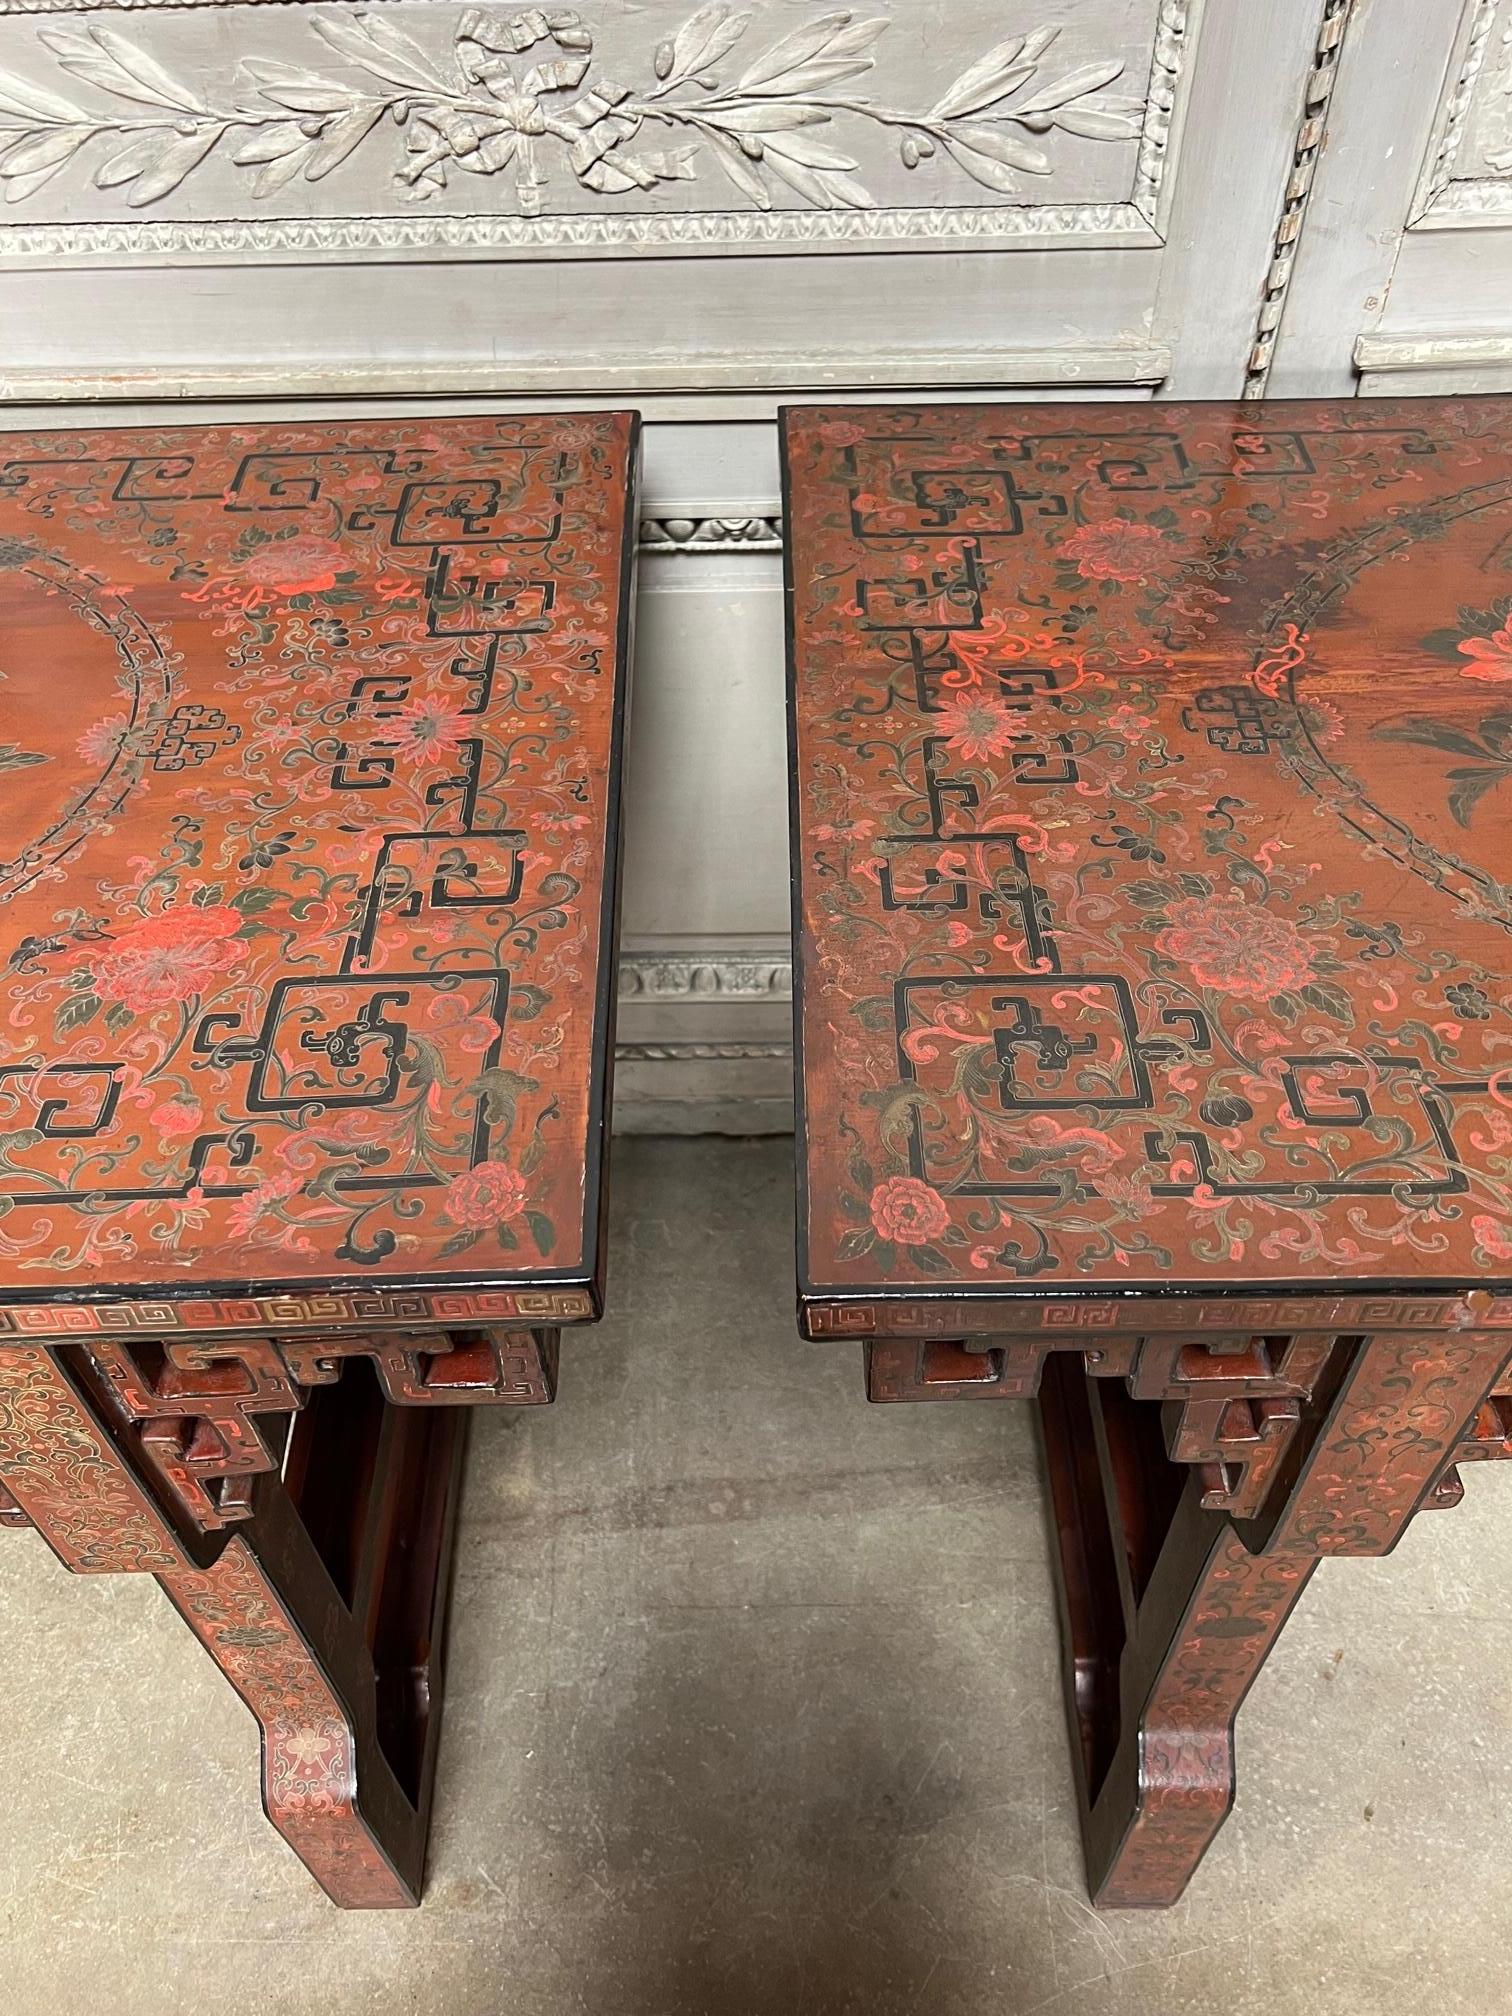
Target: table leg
[
  {"x": 1169, "y": 1608},
  {"x": 1163, "y": 1632},
  {"x": 324, "y": 1606},
  {"x": 343, "y": 1670}
]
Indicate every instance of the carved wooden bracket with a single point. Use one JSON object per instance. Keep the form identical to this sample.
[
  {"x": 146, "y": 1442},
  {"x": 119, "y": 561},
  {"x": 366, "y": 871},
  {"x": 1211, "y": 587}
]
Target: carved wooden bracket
[
  {"x": 1230, "y": 1405},
  {"x": 211, "y": 1415},
  {"x": 1489, "y": 1439}
]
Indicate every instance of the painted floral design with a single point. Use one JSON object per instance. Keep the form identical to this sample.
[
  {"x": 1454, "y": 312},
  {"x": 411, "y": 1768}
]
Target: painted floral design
[
  {"x": 976, "y": 727},
  {"x": 489, "y": 1195},
  {"x": 1466, "y": 999},
  {"x": 842, "y": 433},
  {"x": 1117, "y": 549},
  {"x": 1491, "y": 657},
  {"x": 168, "y": 958},
  {"x": 255, "y": 1214},
  {"x": 303, "y": 565},
  {"x": 1478, "y": 643},
  {"x": 1129, "y": 722},
  {"x": 173, "y": 1119},
  {"x": 1238, "y": 947},
  {"x": 427, "y": 728},
  {"x": 908, "y": 1212},
  {"x": 311, "y": 997},
  {"x": 1132, "y": 947},
  {"x": 101, "y": 741},
  {"x": 1493, "y": 1235}
]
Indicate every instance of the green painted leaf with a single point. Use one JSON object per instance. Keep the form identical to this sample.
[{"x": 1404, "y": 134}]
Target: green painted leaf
[
  {"x": 75, "y": 1013},
  {"x": 1429, "y": 734},
  {"x": 541, "y": 1230},
  {"x": 500, "y": 1092},
  {"x": 1468, "y": 789},
  {"x": 895, "y": 1118},
  {"x": 1443, "y": 643},
  {"x": 326, "y": 1186},
  {"x": 1330, "y": 1000},
  {"x": 874, "y": 1012},
  {"x": 526, "y": 1002},
  {"x": 459, "y": 1243},
  {"x": 251, "y": 901}
]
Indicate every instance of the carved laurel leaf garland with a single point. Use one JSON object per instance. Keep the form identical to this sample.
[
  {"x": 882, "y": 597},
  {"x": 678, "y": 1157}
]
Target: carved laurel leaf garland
[{"x": 489, "y": 114}]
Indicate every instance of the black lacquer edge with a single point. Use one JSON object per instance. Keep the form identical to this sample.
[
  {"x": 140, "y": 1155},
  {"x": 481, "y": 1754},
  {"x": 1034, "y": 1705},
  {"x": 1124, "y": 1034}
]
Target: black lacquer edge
[
  {"x": 786, "y": 416},
  {"x": 601, "y": 1092},
  {"x": 1343, "y": 1288}
]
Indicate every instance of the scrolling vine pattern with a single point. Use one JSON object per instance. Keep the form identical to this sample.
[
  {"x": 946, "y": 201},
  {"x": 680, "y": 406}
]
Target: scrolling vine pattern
[
  {"x": 1085, "y": 983},
  {"x": 304, "y": 912},
  {"x": 484, "y": 114}
]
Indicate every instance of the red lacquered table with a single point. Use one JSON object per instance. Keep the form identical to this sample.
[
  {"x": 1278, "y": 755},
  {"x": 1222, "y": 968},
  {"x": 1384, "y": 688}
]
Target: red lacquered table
[
  {"x": 1152, "y": 819},
  {"x": 308, "y": 867}
]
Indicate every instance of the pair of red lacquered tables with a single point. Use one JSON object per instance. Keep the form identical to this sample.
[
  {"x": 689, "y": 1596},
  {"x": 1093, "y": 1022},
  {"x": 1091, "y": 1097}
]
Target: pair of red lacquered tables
[{"x": 1150, "y": 773}]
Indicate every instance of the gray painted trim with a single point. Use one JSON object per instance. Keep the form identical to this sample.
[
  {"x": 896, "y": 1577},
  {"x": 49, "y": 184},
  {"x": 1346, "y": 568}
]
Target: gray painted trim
[
  {"x": 1431, "y": 353},
  {"x": 484, "y": 377}
]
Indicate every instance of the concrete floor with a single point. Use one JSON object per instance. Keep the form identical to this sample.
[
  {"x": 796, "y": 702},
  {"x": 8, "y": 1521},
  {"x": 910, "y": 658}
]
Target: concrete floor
[{"x": 754, "y": 1708}]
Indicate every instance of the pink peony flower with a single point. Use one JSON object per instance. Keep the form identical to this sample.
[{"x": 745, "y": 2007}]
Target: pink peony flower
[
  {"x": 166, "y": 958},
  {"x": 1493, "y": 1236},
  {"x": 303, "y": 565},
  {"x": 1492, "y": 655},
  {"x": 1238, "y": 947},
  {"x": 487, "y": 1195},
  {"x": 908, "y": 1212},
  {"x": 177, "y": 1117}
]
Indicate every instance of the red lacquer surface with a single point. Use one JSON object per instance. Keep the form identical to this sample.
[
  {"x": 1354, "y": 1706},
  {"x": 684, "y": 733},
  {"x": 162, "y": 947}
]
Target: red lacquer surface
[
  {"x": 1153, "y": 800},
  {"x": 310, "y": 742}
]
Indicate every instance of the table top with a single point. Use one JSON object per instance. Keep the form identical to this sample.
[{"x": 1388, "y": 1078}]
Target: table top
[
  {"x": 1152, "y": 815},
  {"x": 311, "y": 751}
]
